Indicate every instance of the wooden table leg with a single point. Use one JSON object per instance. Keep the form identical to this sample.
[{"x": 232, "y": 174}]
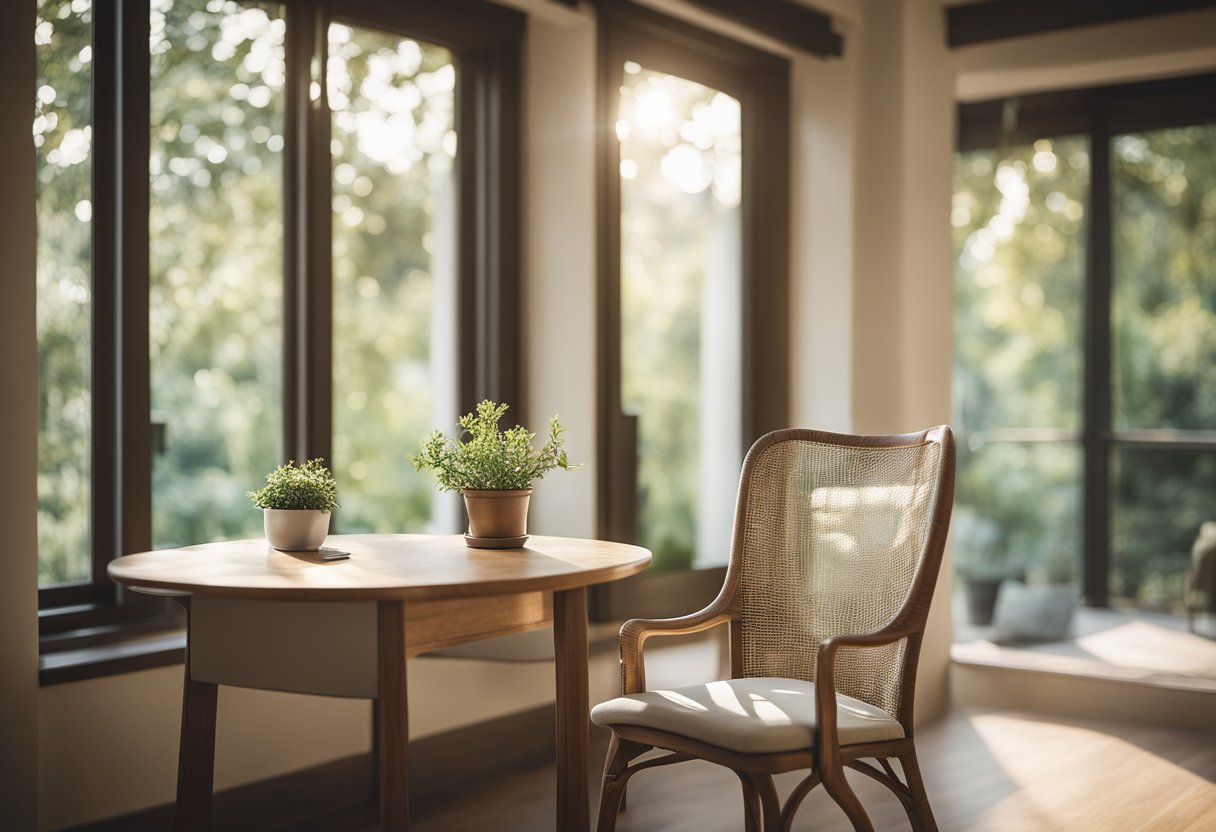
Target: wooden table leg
[
  {"x": 570, "y": 654},
  {"x": 195, "y": 756},
  {"x": 394, "y": 723}
]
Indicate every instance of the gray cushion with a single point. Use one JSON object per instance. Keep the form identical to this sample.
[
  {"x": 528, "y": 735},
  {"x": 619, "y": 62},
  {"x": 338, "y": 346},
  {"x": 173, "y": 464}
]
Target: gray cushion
[{"x": 753, "y": 716}]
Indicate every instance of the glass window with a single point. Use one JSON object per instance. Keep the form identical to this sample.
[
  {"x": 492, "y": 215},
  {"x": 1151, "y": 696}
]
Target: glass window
[
  {"x": 1019, "y": 234},
  {"x": 1086, "y": 371},
  {"x": 1159, "y": 499},
  {"x": 394, "y": 274},
  {"x": 220, "y": 238},
  {"x": 681, "y": 340},
  {"x": 1163, "y": 353},
  {"x": 63, "y": 140},
  {"x": 215, "y": 261},
  {"x": 1163, "y": 346}
]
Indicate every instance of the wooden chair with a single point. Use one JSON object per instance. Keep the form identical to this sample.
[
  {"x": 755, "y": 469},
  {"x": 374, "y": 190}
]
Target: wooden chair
[{"x": 835, "y": 554}]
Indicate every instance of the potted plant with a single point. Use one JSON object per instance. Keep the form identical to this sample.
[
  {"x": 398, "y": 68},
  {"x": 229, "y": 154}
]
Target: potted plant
[
  {"x": 494, "y": 470},
  {"x": 296, "y": 501}
]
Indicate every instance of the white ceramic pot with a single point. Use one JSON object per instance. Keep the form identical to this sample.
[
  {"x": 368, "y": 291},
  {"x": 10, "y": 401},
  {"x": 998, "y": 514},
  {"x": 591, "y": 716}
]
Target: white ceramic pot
[{"x": 295, "y": 530}]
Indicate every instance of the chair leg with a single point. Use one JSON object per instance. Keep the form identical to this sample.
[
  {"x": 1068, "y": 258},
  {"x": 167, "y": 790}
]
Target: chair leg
[
  {"x": 751, "y": 802},
  {"x": 835, "y": 784},
  {"x": 770, "y": 802},
  {"x": 761, "y": 806},
  {"x": 611, "y": 795},
  {"x": 920, "y": 814}
]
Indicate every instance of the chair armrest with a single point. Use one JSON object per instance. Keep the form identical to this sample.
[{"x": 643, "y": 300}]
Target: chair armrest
[
  {"x": 825, "y": 681},
  {"x": 635, "y": 632},
  {"x": 880, "y": 638}
]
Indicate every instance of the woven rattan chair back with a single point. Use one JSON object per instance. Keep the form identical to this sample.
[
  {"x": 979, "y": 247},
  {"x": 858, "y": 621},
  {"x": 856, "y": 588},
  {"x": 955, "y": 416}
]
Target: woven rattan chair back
[{"x": 835, "y": 533}]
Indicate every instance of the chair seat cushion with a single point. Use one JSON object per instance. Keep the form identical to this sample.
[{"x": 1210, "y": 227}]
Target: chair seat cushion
[{"x": 762, "y": 715}]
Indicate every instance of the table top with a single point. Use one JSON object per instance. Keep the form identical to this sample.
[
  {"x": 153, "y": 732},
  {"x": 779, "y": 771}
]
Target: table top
[{"x": 380, "y": 567}]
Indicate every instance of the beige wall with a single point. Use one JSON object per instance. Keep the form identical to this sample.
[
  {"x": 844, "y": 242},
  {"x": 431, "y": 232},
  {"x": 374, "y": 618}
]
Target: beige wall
[
  {"x": 18, "y": 427},
  {"x": 559, "y": 255},
  {"x": 109, "y": 746}
]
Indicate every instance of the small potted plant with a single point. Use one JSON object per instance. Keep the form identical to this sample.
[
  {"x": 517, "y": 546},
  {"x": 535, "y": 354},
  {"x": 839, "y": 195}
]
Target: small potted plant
[
  {"x": 296, "y": 501},
  {"x": 494, "y": 470}
]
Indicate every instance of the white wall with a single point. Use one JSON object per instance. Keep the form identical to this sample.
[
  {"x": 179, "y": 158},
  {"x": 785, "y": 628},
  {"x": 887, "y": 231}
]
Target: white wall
[
  {"x": 823, "y": 200},
  {"x": 18, "y": 427},
  {"x": 559, "y": 256}
]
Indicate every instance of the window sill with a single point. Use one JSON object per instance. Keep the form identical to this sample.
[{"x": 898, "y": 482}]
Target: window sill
[{"x": 96, "y": 652}]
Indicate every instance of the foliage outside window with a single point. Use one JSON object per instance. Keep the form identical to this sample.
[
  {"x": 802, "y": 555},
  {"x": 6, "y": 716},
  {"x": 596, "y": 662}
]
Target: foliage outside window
[
  {"x": 1163, "y": 355},
  {"x": 215, "y": 263},
  {"x": 1022, "y": 237},
  {"x": 394, "y": 145},
  {"x": 681, "y": 181},
  {"x": 1019, "y": 224},
  {"x": 63, "y": 136}
]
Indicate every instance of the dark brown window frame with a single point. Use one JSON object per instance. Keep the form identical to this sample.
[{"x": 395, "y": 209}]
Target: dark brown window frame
[
  {"x": 992, "y": 20},
  {"x": 760, "y": 81},
  {"x": 1100, "y": 113},
  {"x": 486, "y": 42}
]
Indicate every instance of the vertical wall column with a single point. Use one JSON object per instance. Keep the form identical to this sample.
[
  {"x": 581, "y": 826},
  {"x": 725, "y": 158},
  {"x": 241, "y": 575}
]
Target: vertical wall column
[
  {"x": 559, "y": 254},
  {"x": 904, "y": 284},
  {"x": 18, "y": 427}
]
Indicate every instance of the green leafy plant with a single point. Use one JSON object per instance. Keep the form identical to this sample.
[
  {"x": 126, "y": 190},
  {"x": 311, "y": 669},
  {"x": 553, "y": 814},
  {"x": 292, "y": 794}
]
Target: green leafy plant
[
  {"x": 305, "y": 487},
  {"x": 490, "y": 459}
]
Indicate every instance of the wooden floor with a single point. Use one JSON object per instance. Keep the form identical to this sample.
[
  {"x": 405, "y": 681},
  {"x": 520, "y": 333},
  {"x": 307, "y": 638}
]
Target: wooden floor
[{"x": 985, "y": 771}]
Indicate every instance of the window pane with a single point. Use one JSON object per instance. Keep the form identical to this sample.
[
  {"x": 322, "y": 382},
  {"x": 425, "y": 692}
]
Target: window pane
[
  {"x": 1164, "y": 296},
  {"x": 1018, "y": 512},
  {"x": 1159, "y": 500},
  {"x": 394, "y": 349},
  {"x": 1019, "y": 238},
  {"x": 63, "y": 138},
  {"x": 216, "y": 225},
  {"x": 681, "y": 342}
]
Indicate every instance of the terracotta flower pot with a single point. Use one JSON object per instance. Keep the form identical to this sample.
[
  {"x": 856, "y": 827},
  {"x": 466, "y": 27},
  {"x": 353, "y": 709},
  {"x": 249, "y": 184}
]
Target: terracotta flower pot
[
  {"x": 295, "y": 530},
  {"x": 496, "y": 516}
]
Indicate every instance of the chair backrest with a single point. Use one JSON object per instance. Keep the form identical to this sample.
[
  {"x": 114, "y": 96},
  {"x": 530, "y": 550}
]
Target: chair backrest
[{"x": 838, "y": 534}]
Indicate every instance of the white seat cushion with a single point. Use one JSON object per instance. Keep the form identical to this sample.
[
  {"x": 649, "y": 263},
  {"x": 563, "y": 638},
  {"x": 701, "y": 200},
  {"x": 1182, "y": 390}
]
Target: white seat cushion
[{"x": 761, "y": 715}]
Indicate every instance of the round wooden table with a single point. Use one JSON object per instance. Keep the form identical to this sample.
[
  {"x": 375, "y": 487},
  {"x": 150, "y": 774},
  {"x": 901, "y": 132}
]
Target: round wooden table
[{"x": 261, "y": 618}]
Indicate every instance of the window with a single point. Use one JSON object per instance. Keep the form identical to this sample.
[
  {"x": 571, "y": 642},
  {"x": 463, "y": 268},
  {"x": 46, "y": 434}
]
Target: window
[
  {"x": 63, "y": 133},
  {"x": 215, "y": 263},
  {"x": 1085, "y": 331},
  {"x": 262, "y": 237},
  {"x": 1163, "y": 357},
  {"x": 394, "y": 192},
  {"x": 1019, "y": 226},
  {"x": 694, "y": 161}
]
